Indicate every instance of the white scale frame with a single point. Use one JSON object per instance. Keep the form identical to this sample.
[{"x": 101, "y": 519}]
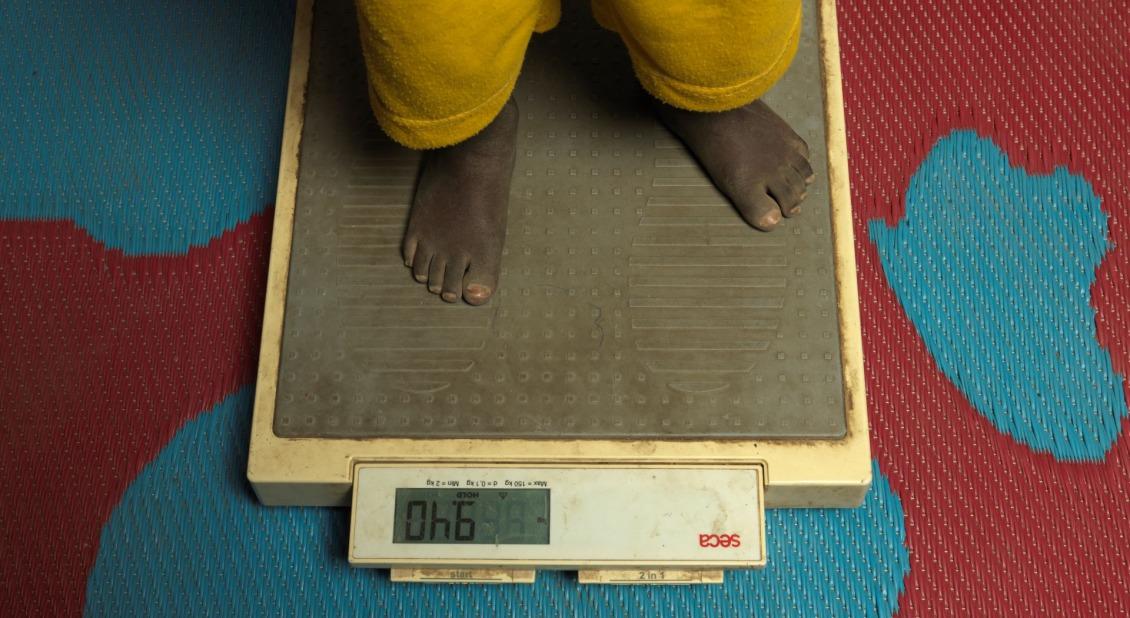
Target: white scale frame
[{"x": 789, "y": 473}]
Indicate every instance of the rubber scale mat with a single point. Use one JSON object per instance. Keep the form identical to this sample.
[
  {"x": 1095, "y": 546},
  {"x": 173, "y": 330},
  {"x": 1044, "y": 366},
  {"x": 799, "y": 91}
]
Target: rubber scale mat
[{"x": 634, "y": 301}]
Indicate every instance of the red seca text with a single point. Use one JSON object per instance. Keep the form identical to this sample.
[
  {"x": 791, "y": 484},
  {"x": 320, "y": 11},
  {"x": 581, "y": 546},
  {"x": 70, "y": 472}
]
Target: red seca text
[{"x": 719, "y": 540}]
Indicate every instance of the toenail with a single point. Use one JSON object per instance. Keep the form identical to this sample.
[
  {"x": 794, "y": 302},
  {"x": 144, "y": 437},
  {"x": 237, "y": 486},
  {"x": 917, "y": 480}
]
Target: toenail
[
  {"x": 421, "y": 278},
  {"x": 478, "y": 291},
  {"x": 772, "y": 218},
  {"x": 449, "y": 296},
  {"x": 794, "y": 211}
]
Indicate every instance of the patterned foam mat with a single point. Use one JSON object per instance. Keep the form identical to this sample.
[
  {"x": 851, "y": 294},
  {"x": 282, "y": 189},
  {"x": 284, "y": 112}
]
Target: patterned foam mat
[{"x": 988, "y": 146}]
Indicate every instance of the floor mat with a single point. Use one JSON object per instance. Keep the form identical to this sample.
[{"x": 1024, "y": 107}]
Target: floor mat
[{"x": 137, "y": 154}]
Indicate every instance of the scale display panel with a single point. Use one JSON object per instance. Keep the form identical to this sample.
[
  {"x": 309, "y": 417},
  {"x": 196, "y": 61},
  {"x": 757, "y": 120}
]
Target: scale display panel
[{"x": 552, "y": 516}]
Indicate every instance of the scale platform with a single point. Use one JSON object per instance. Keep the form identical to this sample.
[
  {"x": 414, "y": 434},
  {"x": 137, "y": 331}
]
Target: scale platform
[{"x": 644, "y": 341}]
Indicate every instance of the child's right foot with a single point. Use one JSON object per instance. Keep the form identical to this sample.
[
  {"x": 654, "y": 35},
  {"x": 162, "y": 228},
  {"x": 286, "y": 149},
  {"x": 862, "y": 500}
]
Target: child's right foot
[{"x": 458, "y": 220}]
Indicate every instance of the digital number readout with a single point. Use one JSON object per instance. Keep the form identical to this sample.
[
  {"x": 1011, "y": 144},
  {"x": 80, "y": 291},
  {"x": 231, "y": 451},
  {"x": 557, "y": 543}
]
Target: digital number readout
[{"x": 480, "y": 516}]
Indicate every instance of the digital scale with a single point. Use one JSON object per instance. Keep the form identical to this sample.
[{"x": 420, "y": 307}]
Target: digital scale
[{"x": 652, "y": 374}]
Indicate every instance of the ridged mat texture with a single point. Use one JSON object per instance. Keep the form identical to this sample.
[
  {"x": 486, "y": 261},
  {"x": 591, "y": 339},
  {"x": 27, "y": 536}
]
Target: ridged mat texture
[
  {"x": 634, "y": 301},
  {"x": 989, "y": 155}
]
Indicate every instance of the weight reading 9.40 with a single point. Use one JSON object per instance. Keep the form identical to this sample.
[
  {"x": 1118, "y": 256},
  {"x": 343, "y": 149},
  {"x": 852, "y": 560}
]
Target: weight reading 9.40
[
  {"x": 502, "y": 517},
  {"x": 417, "y": 521}
]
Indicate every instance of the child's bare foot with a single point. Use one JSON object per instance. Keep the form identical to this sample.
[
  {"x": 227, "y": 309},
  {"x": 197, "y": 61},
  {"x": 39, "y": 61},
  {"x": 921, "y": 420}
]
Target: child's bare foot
[
  {"x": 752, "y": 155},
  {"x": 458, "y": 220}
]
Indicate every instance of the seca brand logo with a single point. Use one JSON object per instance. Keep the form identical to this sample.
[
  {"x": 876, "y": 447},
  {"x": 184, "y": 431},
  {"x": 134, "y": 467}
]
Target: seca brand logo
[{"x": 719, "y": 540}]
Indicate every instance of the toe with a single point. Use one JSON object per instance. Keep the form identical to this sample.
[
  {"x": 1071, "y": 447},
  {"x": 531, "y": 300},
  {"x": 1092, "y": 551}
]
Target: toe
[
  {"x": 421, "y": 261},
  {"x": 435, "y": 274},
  {"x": 760, "y": 210},
  {"x": 802, "y": 148},
  {"x": 789, "y": 191},
  {"x": 453, "y": 280},
  {"x": 408, "y": 249},
  {"x": 804, "y": 168},
  {"x": 788, "y": 199},
  {"x": 479, "y": 284}
]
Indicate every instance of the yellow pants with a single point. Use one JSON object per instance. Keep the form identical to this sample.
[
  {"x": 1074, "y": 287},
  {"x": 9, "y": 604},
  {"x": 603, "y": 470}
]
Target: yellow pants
[{"x": 440, "y": 71}]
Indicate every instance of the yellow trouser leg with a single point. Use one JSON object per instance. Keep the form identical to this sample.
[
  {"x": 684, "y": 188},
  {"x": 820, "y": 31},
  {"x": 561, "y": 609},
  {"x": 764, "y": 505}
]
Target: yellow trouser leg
[
  {"x": 439, "y": 71},
  {"x": 706, "y": 55}
]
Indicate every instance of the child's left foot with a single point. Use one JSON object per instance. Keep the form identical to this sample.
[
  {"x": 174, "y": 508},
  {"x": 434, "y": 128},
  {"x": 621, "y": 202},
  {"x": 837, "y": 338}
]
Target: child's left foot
[{"x": 752, "y": 155}]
